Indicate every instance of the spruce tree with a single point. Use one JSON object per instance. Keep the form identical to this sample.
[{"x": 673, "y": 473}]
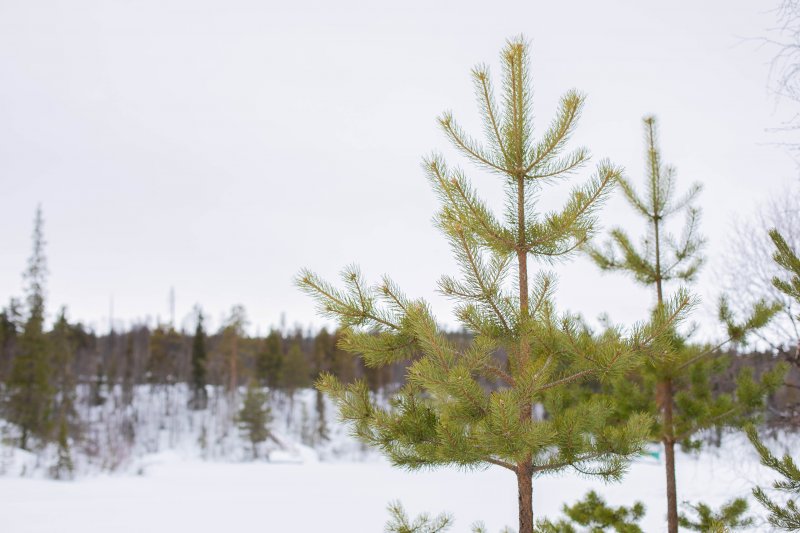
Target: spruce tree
[
  {"x": 269, "y": 361},
  {"x": 199, "y": 397},
  {"x": 30, "y": 391},
  {"x": 782, "y": 515},
  {"x": 522, "y": 421},
  {"x": 401, "y": 523},
  {"x": 675, "y": 381}
]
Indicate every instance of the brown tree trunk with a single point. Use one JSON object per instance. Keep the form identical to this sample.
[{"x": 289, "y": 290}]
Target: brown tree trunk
[
  {"x": 525, "y": 487},
  {"x": 672, "y": 493},
  {"x": 524, "y": 469},
  {"x": 665, "y": 399}
]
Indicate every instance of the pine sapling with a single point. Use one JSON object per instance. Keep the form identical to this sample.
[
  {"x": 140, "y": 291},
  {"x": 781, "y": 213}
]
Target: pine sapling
[
  {"x": 467, "y": 407},
  {"x": 674, "y": 381},
  {"x": 729, "y": 517},
  {"x": 783, "y": 515},
  {"x": 595, "y": 515}
]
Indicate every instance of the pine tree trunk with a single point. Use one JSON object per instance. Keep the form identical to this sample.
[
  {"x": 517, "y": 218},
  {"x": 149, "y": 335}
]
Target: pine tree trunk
[
  {"x": 672, "y": 494},
  {"x": 665, "y": 396},
  {"x": 525, "y": 487},
  {"x": 524, "y": 470}
]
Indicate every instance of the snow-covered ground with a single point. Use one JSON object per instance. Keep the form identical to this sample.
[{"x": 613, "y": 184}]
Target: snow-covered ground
[
  {"x": 173, "y": 493},
  {"x": 169, "y": 482}
]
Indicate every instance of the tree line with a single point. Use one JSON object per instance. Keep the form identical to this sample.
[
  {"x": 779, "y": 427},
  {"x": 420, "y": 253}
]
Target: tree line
[{"x": 49, "y": 370}]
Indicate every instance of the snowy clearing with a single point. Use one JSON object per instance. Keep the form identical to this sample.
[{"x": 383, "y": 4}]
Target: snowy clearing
[{"x": 174, "y": 493}]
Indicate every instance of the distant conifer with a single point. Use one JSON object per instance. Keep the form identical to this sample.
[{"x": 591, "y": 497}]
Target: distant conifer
[
  {"x": 255, "y": 416},
  {"x": 30, "y": 391}
]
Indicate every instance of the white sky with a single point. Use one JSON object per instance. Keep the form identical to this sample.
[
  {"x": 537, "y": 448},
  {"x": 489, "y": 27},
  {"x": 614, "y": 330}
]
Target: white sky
[{"x": 218, "y": 147}]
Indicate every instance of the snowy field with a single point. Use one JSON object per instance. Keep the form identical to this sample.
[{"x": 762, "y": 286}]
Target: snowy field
[
  {"x": 169, "y": 493},
  {"x": 181, "y": 470}
]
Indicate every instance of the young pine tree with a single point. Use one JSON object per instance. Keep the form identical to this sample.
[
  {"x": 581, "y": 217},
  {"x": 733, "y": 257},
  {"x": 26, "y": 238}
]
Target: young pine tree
[
  {"x": 199, "y": 398},
  {"x": 596, "y": 516},
  {"x": 30, "y": 391},
  {"x": 730, "y": 517},
  {"x": 675, "y": 383},
  {"x": 401, "y": 523},
  {"x": 255, "y": 416},
  {"x": 444, "y": 414},
  {"x": 782, "y": 515}
]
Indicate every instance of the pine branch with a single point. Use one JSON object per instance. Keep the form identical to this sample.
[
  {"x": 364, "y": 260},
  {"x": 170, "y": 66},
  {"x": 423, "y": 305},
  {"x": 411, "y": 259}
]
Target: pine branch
[
  {"x": 467, "y": 145},
  {"x": 485, "y": 294},
  {"x": 559, "y": 131},
  {"x": 484, "y": 88},
  {"x": 566, "y": 380}
]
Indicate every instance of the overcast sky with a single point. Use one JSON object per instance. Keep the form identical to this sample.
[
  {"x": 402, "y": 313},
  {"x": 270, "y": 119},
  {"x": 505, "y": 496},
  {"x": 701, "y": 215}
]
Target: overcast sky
[{"x": 217, "y": 147}]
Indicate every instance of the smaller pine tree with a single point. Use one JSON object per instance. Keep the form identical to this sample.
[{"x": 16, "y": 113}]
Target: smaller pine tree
[
  {"x": 675, "y": 383},
  {"x": 596, "y": 516},
  {"x": 730, "y": 517},
  {"x": 401, "y": 523},
  {"x": 786, "y": 515},
  {"x": 255, "y": 416}
]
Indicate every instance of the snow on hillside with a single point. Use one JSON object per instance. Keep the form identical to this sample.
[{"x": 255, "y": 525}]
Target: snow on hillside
[
  {"x": 125, "y": 438},
  {"x": 179, "y": 470}
]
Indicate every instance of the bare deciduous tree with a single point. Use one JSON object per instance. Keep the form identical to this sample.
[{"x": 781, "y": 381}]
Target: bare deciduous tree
[{"x": 748, "y": 269}]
